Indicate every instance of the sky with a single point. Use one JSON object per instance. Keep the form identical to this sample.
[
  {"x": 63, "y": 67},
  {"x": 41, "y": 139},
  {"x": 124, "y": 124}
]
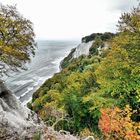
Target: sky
[{"x": 72, "y": 19}]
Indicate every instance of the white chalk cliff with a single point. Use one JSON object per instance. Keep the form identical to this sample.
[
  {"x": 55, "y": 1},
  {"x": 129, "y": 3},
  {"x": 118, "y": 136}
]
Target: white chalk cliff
[
  {"x": 16, "y": 121},
  {"x": 82, "y": 49}
]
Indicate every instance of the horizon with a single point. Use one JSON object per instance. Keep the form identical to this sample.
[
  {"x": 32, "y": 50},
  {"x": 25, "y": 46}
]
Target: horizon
[{"x": 72, "y": 20}]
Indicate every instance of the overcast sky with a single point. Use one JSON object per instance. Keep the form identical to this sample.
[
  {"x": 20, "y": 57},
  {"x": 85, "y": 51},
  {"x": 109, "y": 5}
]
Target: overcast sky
[{"x": 72, "y": 19}]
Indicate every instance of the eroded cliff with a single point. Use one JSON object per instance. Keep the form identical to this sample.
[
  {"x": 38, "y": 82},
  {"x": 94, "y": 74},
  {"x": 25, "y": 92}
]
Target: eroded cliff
[{"x": 16, "y": 121}]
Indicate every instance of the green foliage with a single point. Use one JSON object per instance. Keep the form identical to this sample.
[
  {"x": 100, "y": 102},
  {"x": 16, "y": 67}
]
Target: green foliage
[
  {"x": 99, "y": 41},
  {"x": 37, "y": 135},
  {"x": 67, "y": 60},
  {"x": 16, "y": 39},
  {"x": 96, "y": 44},
  {"x": 91, "y": 83},
  {"x": 64, "y": 92},
  {"x": 103, "y": 36},
  {"x": 29, "y": 105}
]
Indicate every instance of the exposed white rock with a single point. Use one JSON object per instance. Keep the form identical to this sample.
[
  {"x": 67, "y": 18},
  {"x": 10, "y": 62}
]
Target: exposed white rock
[
  {"x": 82, "y": 48},
  {"x": 105, "y": 46},
  {"x": 89, "y": 138},
  {"x": 16, "y": 121}
]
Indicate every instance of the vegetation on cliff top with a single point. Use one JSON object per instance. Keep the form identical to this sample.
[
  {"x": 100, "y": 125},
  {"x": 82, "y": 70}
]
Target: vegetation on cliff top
[
  {"x": 95, "y": 95},
  {"x": 98, "y": 94},
  {"x": 99, "y": 41},
  {"x": 103, "y": 36}
]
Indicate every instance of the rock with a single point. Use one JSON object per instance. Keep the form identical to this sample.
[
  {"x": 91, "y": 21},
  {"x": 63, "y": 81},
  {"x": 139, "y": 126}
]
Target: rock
[
  {"x": 16, "y": 121},
  {"x": 89, "y": 138},
  {"x": 67, "y": 59},
  {"x": 51, "y": 134},
  {"x": 82, "y": 49}
]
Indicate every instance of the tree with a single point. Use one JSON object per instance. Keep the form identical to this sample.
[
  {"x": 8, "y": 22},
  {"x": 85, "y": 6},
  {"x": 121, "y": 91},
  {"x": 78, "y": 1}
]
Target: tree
[
  {"x": 130, "y": 21},
  {"x": 118, "y": 73},
  {"x": 117, "y": 124},
  {"x": 16, "y": 39}
]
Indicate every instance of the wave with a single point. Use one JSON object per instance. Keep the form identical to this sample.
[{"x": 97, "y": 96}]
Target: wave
[{"x": 23, "y": 82}]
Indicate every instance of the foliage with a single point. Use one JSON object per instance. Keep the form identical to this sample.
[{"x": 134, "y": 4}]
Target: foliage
[
  {"x": 87, "y": 134},
  {"x": 118, "y": 72},
  {"x": 87, "y": 88},
  {"x": 117, "y": 124},
  {"x": 99, "y": 41},
  {"x": 103, "y": 36},
  {"x": 67, "y": 60},
  {"x": 37, "y": 135},
  {"x": 95, "y": 46},
  {"x": 16, "y": 39},
  {"x": 62, "y": 96}
]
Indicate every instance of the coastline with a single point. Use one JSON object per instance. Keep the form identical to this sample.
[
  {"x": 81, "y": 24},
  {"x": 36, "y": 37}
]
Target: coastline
[{"x": 45, "y": 64}]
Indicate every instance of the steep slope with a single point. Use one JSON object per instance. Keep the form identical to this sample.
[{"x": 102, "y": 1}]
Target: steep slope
[
  {"x": 95, "y": 94},
  {"x": 82, "y": 49},
  {"x": 90, "y": 45},
  {"x": 16, "y": 121}
]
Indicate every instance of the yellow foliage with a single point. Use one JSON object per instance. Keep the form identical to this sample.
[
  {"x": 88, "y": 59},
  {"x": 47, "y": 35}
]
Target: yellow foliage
[{"x": 117, "y": 124}]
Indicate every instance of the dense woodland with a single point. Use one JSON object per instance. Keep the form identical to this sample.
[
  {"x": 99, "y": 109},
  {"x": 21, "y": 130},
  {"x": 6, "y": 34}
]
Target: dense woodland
[{"x": 98, "y": 94}]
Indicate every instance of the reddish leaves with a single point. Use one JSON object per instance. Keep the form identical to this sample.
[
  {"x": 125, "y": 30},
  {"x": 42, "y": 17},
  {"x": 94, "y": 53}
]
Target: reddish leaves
[{"x": 117, "y": 124}]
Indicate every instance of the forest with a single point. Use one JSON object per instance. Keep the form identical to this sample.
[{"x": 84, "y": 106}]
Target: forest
[{"x": 98, "y": 94}]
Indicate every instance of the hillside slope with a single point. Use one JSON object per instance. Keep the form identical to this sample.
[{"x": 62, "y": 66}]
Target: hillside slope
[{"x": 97, "y": 94}]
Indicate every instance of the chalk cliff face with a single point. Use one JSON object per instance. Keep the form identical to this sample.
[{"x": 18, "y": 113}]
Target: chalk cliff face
[
  {"x": 82, "y": 49},
  {"x": 93, "y": 44},
  {"x": 16, "y": 121}
]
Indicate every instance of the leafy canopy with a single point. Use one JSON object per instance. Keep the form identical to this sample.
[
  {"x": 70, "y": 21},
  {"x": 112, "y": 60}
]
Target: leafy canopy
[
  {"x": 99, "y": 93},
  {"x": 16, "y": 39}
]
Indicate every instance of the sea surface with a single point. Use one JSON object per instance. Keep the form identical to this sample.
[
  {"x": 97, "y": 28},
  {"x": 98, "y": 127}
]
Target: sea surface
[{"x": 46, "y": 62}]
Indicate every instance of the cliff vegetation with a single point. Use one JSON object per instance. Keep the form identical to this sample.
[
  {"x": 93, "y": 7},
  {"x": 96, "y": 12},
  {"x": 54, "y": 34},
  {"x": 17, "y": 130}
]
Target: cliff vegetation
[{"x": 98, "y": 94}]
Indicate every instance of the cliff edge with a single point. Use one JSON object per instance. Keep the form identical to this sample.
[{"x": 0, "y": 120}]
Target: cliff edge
[{"x": 16, "y": 121}]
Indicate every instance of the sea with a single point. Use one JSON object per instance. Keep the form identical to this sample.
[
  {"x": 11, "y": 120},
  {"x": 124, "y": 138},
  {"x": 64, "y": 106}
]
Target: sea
[{"x": 45, "y": 63}]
